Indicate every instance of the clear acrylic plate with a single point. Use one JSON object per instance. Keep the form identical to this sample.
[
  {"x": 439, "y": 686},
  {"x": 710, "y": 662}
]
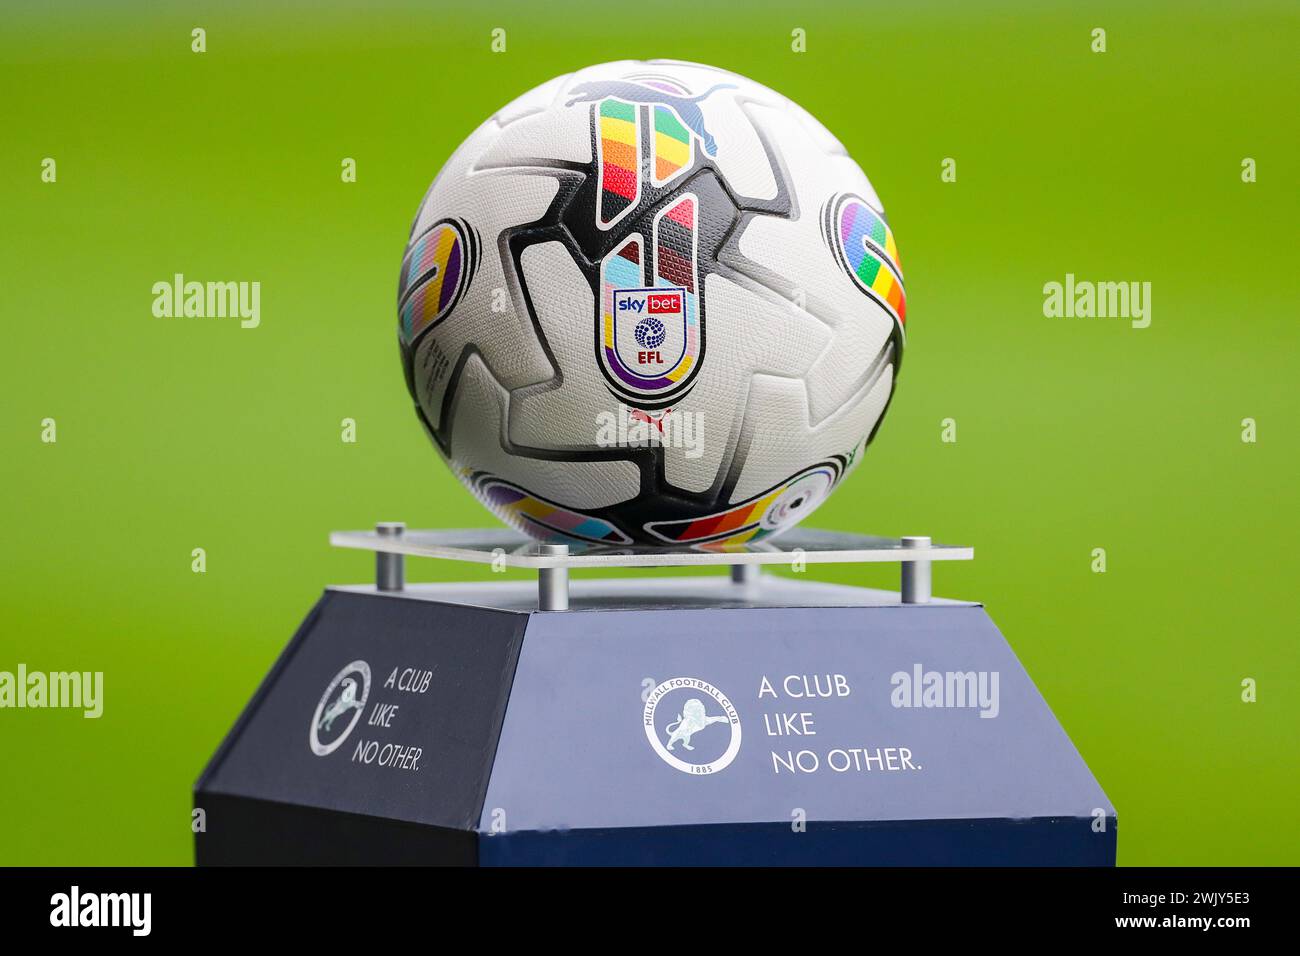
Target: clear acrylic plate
[{"x": 515, "y": 550}]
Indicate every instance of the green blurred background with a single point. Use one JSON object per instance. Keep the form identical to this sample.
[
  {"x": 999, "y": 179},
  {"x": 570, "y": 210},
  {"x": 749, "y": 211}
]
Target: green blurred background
[{"x": 1073, "y": 434}]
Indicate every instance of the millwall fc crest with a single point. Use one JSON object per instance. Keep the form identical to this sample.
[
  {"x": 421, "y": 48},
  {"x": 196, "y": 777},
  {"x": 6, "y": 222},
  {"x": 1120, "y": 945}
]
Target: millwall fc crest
[
  {"x": 692, "y": 726},
  {"x": 339, "y": 708}
]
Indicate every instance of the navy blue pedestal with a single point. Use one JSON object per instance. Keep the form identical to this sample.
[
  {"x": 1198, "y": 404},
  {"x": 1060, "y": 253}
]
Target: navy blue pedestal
[{"x": 676, "y": 721}]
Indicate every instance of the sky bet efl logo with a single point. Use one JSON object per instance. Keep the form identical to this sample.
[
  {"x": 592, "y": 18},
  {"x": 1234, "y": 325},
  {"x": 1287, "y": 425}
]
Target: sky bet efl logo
[{"x": 650, "y": 330}]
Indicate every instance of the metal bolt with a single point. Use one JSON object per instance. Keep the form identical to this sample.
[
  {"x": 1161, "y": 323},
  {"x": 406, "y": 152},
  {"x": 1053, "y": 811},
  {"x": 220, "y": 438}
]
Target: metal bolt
[
  {"x": 553, "y": 583},
  {"x": 916, "y": 574},
  {"x": 390, "y": 569}
]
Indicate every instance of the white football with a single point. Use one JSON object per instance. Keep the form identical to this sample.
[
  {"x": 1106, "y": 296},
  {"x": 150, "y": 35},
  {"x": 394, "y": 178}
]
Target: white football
[{"x": 651, "y": 303}]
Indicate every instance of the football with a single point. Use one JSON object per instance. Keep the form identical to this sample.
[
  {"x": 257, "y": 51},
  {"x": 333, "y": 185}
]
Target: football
[{"x": 651, "y": 303}]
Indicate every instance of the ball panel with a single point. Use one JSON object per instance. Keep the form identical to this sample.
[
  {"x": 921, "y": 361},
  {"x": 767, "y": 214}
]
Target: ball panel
[
  {"x": 776, "y": 430},
  {"x": 744, "y": 163},
  {"x": 546, "y": 138},
  {"x": 560, "y": 413},
  {"x": 490, "y": 317},
  {"x": 752, "y": 332},
  {"x": 478, "y": 444},
  {"x": 540, "y": 99}
]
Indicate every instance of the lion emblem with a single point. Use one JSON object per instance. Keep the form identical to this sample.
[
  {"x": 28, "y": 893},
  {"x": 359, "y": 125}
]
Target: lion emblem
[
  {"x": 347, "y": 700},
  {"x": 690, "y": 721}
]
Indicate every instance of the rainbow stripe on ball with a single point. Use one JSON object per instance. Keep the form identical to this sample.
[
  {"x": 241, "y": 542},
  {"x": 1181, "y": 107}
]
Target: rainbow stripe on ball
[
  {"x": 673, "y": 146},
  {"x": 619, "y": 145},
  {"x": 619, "y": 125},
  {"x": 544, "y": 518},
  {"x": 760, "y": 516},
  {"x": 431, "y": 278},
  {"x": 870, "y": 254}
]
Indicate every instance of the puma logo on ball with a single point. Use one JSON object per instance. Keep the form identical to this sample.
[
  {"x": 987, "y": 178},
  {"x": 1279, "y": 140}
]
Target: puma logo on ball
[{"x": 686, "y": 107}]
